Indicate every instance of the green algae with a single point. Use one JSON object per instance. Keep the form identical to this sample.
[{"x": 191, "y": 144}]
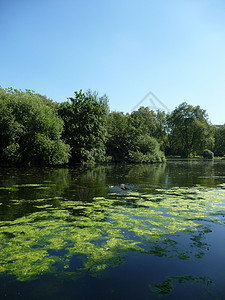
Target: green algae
[
  {"x": 165, "y": 287},
  {"x": 102, "y": 230}
]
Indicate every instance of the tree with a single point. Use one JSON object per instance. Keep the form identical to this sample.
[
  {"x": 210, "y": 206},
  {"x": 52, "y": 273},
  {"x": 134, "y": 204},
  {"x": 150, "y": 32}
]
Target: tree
[
  {"x": 30, "y": 130},
  {"x": 152, "y": 123},
  {"x": 189, "y": 130},
  {"x": 220, "y": 141},
  {"x": 120, "y": 137},
  {"x": 208, "y": 154},
  {"x": 145, "y": 120},
  {"x": 84, "y": 117},
  {"x": 129, "y": 140}
]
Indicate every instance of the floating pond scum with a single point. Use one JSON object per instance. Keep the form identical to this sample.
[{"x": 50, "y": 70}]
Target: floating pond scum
[{"x": 150, "y": 240}]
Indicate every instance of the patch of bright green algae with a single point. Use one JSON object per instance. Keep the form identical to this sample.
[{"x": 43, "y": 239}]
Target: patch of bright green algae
[{"x": 101, "y": 231}]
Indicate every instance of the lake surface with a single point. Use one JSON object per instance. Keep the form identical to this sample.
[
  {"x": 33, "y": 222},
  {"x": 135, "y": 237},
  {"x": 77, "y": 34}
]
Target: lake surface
[{"x": 113, "y": 232}]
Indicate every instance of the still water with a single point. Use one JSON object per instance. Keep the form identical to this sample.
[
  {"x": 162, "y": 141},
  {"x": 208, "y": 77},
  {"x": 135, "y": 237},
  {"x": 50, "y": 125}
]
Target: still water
[{"x": 113, "y": 232}]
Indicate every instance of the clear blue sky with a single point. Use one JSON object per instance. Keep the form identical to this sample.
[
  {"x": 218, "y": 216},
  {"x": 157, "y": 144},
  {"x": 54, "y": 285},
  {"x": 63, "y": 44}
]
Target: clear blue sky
[{"x": 122, "y": 48}]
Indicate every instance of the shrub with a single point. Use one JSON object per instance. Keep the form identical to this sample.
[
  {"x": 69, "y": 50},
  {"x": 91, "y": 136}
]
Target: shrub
[
  {"x": 30, "y": 130},
  {"x": 208, "y": 154},
  {"x": 147, "y": 151}
]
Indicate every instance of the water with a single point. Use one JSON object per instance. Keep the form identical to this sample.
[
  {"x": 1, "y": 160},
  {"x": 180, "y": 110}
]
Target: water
[{"x": 79, "y": 233}]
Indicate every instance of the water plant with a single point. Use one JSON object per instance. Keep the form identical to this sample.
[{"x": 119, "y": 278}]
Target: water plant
[{"x": 100, "y": 232}]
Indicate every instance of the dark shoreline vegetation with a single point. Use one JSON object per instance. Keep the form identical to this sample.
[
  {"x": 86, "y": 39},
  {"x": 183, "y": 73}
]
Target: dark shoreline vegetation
[{"x": 35, "y": 130}]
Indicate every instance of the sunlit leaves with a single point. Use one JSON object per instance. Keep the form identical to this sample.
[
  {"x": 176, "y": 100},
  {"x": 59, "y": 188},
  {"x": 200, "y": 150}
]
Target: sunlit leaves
[
  {"x": 189, "y": 131},
  {"x": 30, "y": 130},
  {"x": 85, "y": 126}
]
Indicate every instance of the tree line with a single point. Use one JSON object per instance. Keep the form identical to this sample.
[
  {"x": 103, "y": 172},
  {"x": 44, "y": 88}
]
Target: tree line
[{"x": 35, "y": 130}]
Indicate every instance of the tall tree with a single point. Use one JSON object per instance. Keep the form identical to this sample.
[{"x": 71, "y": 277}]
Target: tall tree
[
  {"x": 120, "y": 137},
  {"x": 149, "y": 122},
  {"x": 189, "y": 130},
  {"x": 130, "y": 141},
  {"x": 84, "y": 117}
]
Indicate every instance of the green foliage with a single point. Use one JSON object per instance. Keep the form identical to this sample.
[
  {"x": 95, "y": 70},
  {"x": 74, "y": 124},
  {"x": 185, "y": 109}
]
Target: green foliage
[
  {"x": 129, "y": 138},
  {"x": 32, "y": 127},
  {"x": 147, "y": 121},
  {"x": 30, "y": 130},
  {"x": 189, "y": 130},
  {"x": 208, "y": 154},
  {"x": 50, "y": 151},
  {"x": 147, "y": 150},
  {"x": 146, "y": 143},
  {"x": 120, "y": 136},
  {"x": 85, "y": 126},
  {"x": 220, "y": 141}
]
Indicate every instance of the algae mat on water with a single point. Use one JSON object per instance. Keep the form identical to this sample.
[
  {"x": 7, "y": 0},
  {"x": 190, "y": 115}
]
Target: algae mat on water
[{"x": 101, "y": 231}]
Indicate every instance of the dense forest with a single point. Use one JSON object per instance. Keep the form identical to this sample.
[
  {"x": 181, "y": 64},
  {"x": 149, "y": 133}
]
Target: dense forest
[{"x": 35, "y": 130}]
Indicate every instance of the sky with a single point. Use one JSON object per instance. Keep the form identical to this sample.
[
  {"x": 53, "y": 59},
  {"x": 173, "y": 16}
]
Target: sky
[{"x": 172, "y": 50}]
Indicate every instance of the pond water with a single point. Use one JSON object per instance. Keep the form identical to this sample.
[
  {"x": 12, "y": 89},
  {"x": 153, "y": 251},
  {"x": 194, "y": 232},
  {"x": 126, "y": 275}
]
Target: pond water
[{"x": 113, "y": 232}]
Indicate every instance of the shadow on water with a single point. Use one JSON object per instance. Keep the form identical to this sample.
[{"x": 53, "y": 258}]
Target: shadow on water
[{"x": 115, "y": 231}]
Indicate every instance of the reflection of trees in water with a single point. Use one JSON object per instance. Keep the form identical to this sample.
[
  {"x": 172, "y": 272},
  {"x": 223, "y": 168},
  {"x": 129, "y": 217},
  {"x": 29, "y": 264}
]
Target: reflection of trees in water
[
  {"x": 152, "y": 174},
  {"x": 87, "y": 182},
  {"x": 191, "y": 172},
  {"x": 31, "y": 183},
  {"x": 94, "y": 174},
  {"x": 20, "y": 187}
]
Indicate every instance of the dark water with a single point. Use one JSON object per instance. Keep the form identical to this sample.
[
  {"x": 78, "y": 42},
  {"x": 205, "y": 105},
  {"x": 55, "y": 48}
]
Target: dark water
[{"x": 78, "y": 233}]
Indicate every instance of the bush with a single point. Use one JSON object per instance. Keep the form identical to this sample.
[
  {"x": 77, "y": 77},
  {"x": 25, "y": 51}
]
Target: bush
[
  {"x": 138, "y": 157},
  {"x": 208, "y": 154},
  {"x": 147, "y": 151},
  {"x": 30, "y": 130}
]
